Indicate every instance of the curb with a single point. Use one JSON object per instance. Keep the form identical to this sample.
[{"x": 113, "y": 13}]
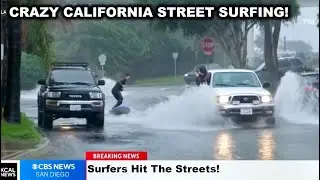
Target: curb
[{"x": 40, "y": 149}]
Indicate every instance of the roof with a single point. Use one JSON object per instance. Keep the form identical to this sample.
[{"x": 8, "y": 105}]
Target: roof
[
  {"x": 309, "y": 73},
  {"x": 69, "y": 67},
  {"x": 230, "y": 70},
  {"x": 288, "y": 58}
]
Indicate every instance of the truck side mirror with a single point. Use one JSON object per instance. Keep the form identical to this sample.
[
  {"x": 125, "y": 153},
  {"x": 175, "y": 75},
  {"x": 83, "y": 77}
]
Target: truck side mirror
[
  {"x": 101, "y": 82},
  {"x": 264, "y": 68},
  {"x": 266, "y": 85}
]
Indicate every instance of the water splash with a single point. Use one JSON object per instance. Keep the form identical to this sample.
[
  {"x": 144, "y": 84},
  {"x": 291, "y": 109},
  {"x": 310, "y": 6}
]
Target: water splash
[
  {"x": 293, "y": 104},
  {"x": 194, "y": 109},
  {"x": 30, "y": 94}
]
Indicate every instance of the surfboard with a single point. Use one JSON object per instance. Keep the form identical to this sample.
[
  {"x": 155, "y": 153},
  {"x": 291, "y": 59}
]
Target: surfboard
[{"x": 120, "y": 110}]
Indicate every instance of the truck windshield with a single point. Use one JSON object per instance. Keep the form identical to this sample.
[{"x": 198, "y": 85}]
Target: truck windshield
[
  {"x": 71, "y": 76},
  {"x": 235, "y": 79}
]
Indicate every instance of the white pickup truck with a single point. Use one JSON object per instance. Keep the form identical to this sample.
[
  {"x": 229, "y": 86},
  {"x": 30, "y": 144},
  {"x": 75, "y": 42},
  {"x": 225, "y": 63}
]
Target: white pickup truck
[{"x": 241, "y": 97}]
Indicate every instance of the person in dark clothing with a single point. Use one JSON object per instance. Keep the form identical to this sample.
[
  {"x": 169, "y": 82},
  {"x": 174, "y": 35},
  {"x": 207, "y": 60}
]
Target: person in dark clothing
[
  {"x": 118, "y": 87},
  {"x": 203, "y": 76}
]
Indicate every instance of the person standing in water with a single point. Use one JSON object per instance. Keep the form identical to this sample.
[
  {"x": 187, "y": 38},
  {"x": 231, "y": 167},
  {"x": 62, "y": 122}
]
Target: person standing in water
[
  {"x": 203, "y": 76},
  {"x": 118, "y": 87}
]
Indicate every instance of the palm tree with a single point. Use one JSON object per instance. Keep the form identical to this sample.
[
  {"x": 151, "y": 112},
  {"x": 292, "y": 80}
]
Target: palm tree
[
  {"x": 4, "y": 40},
  {"x": 12, "y": 103},
  {"x": 13, "y": 61}
]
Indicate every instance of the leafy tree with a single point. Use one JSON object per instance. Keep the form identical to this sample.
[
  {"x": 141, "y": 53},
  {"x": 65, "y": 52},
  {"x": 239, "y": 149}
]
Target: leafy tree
[
  {"x": 34, "y": 37},
  {"x": 259, "y": 40},
  {"x": 128, "y": 45},
  {"x": 37, "y": 38},
  {"x": 31, "y": 70},
  {"x": 299, "y": 46},
  {"x": 271, "y": 29},
  {"x": 231, "y": 35}
]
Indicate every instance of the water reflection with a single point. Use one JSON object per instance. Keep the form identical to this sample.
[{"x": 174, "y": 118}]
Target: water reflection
[
  {"x": 224, "y": 146},
  {"x": 266, "y": 145}
]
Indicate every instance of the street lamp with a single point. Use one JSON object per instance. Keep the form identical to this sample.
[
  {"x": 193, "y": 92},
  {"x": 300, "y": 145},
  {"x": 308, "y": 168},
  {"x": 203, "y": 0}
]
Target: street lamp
[
  {"x": 175, "y": 57},
  {"x": 102, "y": 60}
]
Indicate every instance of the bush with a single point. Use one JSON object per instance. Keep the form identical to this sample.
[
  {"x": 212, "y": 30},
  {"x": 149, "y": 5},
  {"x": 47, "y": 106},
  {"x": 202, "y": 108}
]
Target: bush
[{"x": 31, "y": 71}]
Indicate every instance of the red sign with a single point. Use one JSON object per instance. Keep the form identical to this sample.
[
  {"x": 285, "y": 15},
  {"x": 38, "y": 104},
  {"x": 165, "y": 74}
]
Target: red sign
[{"x": 207, "y": 46}]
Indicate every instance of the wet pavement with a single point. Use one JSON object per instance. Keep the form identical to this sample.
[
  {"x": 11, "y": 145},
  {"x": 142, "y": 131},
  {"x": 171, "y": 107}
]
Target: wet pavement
[{"x": 172, "y": 131}]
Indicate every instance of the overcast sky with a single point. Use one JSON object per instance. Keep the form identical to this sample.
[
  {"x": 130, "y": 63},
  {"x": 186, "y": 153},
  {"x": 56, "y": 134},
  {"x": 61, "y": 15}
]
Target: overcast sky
[{"x": 304, "y": 29}]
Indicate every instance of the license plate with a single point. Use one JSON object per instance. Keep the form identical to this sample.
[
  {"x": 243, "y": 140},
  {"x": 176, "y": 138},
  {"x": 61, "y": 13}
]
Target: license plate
[
  {"x": 75, "y": 107},
  {"x": 246, "y": 111}
]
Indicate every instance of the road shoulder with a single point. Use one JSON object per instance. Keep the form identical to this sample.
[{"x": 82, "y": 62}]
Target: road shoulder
[
  {"x": 39, "y": 150},
  {"x": 22, "y": 141}
]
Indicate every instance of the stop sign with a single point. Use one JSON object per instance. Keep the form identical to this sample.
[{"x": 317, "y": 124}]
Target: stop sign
[{"x": 207, "y": 45}]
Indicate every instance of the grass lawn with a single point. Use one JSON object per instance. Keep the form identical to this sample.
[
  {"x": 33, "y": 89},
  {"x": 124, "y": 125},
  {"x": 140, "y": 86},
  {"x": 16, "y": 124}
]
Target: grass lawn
[
  {"x": 24, "y": 132},
  {"x": 160, "y": 81}
]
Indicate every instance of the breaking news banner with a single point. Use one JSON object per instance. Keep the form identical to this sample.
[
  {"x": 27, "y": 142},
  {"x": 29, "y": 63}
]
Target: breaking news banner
[
  {"x": 134, "y": 165},
  {"x": 44, "y": 169},
  {"x": 147, "y": 12}
]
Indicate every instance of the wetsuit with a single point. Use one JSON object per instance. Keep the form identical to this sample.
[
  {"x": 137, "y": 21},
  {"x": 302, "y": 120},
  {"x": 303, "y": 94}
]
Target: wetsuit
[
  {"x": 116, "y": 92},
  {"x": 205, "y": 78}
]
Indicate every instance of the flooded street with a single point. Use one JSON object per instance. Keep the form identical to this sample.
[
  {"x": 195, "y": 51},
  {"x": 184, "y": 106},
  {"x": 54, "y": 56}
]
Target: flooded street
[{"x": 177, "y": 122}]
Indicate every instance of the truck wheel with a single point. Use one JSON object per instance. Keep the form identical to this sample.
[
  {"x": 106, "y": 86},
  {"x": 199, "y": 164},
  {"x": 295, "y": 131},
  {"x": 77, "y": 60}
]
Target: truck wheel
[
  {"x": 271, "y": 121},
  {"x": 47, "y": 121},
  {"x": 40, "y": 119},
  {"x": 187, "y": 82},
  {"x": 99, "y": 120},
  {"x": 96, "y": 120}
]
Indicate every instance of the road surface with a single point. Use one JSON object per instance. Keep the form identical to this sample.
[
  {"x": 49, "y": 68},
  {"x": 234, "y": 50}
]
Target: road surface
[{"x": 171, "y": 124}]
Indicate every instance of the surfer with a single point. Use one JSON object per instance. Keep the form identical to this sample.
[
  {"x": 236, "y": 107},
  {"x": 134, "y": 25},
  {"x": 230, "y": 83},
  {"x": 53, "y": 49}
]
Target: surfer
[
  {"x": 118, "y": 87},
  {"x": 203, "y": 76}
]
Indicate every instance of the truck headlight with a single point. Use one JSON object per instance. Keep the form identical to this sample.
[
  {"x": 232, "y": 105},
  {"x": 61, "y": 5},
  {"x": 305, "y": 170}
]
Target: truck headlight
[
  {"x": 222, "y": 99},
  {"x": 53, "y": 94},
  {"x": 95, "y": 95},
  {"x": 185, "y": 75},
  {"x": 266, "y": 99}
]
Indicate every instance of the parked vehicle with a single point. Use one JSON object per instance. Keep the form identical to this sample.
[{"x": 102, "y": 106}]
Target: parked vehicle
[
  {"x": 294, "y": 64},
  {"x": 310, "y": 91},
  {"x": 71, "y": 90}
]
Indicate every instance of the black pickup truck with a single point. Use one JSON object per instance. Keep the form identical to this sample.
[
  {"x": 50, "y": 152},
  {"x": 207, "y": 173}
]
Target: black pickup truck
[{"x": 71, "y": 90}]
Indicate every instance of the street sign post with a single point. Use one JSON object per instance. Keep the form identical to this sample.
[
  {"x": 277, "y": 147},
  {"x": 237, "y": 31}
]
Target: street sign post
[
  {"x": 207, "y": 45},
  {"x": 175, "y": 57},
  {"x": 102, "y": 59}
]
